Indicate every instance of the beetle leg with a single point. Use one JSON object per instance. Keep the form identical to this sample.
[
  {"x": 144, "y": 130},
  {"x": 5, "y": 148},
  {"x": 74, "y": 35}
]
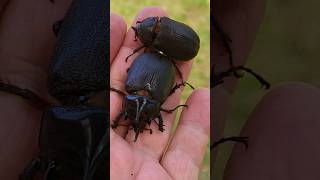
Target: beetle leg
[
  {"x": 243, "y": 140},
  {"x": 226, "y": 41},
  {"x": 51, "y": 165},
  {"x": 177, "y": 86},
  {"x": 116, "y": 121},
  {"x": 183, "y": 83},
  {"x": 263, "y": 82},
  {"x": 31, "y": 170},
  {"x": 135, "y": 33},
  {"x": 148, "y": 130},
  {"x": 56, "y": 27},
  {"x": 135, "y": 51},
  {"x": 218, "y": 79},
  {"x": 160, "y": 125},
  {"x": 26, "y": 94},
  {"x": 118, "y": 91},
  {"x": 171, "y": 110}
]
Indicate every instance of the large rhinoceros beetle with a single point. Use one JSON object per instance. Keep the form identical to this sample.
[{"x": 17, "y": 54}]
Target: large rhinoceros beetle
[
  {"x": 151, "y": 80},
  {"x": 174, "y": 39},
  {"x": 74, "y": 136}
]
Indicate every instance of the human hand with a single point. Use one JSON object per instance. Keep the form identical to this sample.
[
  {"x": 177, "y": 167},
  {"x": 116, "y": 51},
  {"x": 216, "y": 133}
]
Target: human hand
[
  {"x": 26, "y": 44},
  {"x": 148, "y": 157}
]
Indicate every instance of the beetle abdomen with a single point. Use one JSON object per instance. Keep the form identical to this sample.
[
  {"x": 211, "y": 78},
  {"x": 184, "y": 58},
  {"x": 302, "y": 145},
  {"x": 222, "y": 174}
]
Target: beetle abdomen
[
  {"x": 152, "y": 72},
  {"x": 79, "y": 61},
  {"x": 177, "y": 40}
]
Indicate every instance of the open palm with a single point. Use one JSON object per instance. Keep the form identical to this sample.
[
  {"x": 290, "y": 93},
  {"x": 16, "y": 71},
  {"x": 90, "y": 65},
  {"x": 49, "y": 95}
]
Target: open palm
[{"x": 152, "y": 156}]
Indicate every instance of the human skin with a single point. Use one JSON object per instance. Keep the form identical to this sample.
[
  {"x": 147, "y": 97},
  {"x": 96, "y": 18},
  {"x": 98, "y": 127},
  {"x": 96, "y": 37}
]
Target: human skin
[
  {"x": 148, "y": 157},
  {"x": 26, "y": 44},
  {"x": 283, "y": 129}
]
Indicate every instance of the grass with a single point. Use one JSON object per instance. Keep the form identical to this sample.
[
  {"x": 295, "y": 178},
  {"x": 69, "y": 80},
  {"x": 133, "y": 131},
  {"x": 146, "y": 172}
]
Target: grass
[
  {"x": 286, "y": 49},
  {"x": 195, "y": 13}
]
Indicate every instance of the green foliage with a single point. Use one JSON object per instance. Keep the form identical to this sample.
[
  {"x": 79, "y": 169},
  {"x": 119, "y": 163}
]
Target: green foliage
[{"x": 195, "y": 13}]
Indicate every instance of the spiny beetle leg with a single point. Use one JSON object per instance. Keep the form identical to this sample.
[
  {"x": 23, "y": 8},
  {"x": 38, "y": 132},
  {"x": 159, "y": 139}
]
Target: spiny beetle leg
[
  {"x": 226, "y": 41},
  {"x": 116, "y": 121},
  {"x": 118, "y": 91},
  {"x": 56, "y": 27},
  {"x": 31, "y": 170},
  {"x": 170, "y": 111},
  {"x": 148, "y": 130},
  {"x": 160, "y": 125},
  {"x": 243, "y": 140},
  {"x": 135, "y": 33},
  {"x": 50, "y": 167},
  {"x": 218, "y": 79},
  {"x": 24, "y": 93},
  {"x": 177, "y": 86},
  {"x": 135, "y": 51},
  {"x": 215, "y": 81},
  {"x": 263, "y": 82}
]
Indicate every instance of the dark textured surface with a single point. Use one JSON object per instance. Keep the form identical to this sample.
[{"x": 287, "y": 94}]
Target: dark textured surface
[
  {"x": 79, "y": 64},
  {"x": 153, "y": 69},
  {"x": 78, "y": 128}
]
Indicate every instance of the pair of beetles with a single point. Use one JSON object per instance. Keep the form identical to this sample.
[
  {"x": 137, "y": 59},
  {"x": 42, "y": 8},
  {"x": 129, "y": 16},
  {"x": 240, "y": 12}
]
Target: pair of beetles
[{"x": 151, "y": 77}]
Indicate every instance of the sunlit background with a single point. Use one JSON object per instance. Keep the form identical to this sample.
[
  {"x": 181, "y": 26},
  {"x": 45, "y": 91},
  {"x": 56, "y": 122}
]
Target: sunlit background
[
  {"x": 286, "y": 49},
  {"x": 195, "y": 13}
]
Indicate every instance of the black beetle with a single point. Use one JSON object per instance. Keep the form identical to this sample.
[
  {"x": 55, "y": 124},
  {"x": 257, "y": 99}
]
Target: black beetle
[
  {"x": 150, "y": 81},
  {"x": 172, "y": 38},
  {"x": 74, "y": 136}
]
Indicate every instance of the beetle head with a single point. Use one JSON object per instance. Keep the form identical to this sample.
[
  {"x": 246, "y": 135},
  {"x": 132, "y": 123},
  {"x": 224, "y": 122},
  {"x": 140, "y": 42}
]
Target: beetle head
[
  {"x": 141, "y": 110},
  {"x": 146, "y": 30}
]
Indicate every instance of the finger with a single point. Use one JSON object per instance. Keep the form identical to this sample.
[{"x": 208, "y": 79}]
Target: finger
[
  {"x": 240, "y": 22},
  {"x": 283, "y": 133},
  {"x": 27, "y": 41},
  {"x": 118, "y": 29},
  {"x": 247, "y": 22},
  {"x": 118, "y": 71},
  {"x": 184, "y": 156}
]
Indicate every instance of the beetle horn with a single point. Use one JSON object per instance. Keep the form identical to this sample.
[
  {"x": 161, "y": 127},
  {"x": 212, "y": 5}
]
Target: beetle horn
[{"x": 139, "y": 109}]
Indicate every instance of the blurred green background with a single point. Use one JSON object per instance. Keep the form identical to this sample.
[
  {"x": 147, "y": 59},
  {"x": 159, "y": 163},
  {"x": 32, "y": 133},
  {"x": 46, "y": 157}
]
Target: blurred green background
[
  {"x": 195, "y": 13},
  {"x": 286, "y": 49}
]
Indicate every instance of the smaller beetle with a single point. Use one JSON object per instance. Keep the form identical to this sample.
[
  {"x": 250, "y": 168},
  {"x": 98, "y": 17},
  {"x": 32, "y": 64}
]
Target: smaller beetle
[
  {"x": 150, "y": 81},
  {"x": 172, "y": 38}
]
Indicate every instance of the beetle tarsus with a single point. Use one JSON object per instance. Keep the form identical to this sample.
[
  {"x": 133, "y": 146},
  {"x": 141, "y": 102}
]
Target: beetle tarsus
[
  {"x": 116, "y": 121},
  {"x": 243, "y": 140},
  {"x": 118, "y": 91},
  {"x": 135, "y": 51},
  {"x": 24, "y": 93},
  {"x": 56, "y": 27},
  {"x": 172, "y": 110},
  {"x": 31, "y": 170}
]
